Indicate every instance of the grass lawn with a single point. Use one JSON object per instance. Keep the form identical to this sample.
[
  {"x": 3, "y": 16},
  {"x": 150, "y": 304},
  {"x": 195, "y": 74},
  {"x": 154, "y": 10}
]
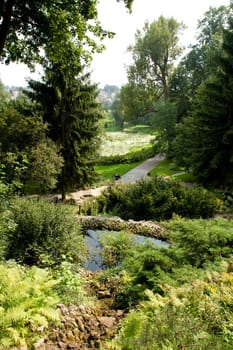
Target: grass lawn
[
  {"x": 168, "y": 168},
  {"x": 108, "y": 171}
]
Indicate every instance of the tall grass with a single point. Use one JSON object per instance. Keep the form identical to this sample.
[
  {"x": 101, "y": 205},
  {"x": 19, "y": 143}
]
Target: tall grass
[{"x": 123, "y": 142}]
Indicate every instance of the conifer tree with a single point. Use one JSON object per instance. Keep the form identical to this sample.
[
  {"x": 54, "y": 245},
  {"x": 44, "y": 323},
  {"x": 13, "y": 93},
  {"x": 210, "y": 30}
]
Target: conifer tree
[
  {"x": 70, "y": 107},
  {"x": 210, "y": 127}
]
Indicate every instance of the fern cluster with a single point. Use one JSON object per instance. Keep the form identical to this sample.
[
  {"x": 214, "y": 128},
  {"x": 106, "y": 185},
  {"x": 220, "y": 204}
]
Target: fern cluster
[{"x": 27, "y": 304}]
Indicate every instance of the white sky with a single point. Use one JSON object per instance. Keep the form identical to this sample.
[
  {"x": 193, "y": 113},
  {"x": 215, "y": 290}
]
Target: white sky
[{"x": 109, "y": 66}]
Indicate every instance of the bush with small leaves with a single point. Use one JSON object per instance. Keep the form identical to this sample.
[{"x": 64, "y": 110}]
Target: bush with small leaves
[
  {"x": 43, "y": 227},
  {"x": 158, "y": 199}
]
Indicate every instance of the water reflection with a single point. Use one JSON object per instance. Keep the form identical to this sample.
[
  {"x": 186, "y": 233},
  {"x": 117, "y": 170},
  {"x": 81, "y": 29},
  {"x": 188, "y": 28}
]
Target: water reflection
[{"x": 92, "y": 239}]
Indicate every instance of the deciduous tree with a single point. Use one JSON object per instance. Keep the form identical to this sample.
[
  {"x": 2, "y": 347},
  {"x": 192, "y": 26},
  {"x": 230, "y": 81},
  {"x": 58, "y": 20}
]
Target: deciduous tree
[
  {"x": 25, "y": 25},
  {"x": 155, "y": 50}
]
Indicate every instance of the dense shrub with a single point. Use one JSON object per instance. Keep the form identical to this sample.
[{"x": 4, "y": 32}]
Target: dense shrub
[
  {"x": 158, "y": 199},
  {"x": 7, "y": 225},
  {"x": 28, "y": 303},
  {"x": 45, "y": 228},
  {"x": 194, "y": 316}
]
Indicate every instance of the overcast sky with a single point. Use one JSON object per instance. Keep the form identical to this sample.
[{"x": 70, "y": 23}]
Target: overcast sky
[{"x": 109, "y": 66}]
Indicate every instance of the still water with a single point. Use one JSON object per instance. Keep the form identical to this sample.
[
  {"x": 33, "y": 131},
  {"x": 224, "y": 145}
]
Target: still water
[{"x": 92, "y": 240}]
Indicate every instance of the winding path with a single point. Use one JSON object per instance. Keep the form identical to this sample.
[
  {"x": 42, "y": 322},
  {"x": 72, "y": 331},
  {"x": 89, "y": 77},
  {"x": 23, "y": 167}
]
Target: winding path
[{"x": 139, "y": 172}]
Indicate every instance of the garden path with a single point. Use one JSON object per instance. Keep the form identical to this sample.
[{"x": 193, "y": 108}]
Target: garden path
[{"x": 139, "y": 172}]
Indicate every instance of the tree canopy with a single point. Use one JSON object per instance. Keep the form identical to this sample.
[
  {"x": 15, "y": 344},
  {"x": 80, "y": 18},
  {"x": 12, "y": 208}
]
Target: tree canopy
[
  {"x": 155, "y": 50},
  {"x": 154, "y": 53},
  {"x": 26, "y": 26},
  {"x": 205, "y": 138}
]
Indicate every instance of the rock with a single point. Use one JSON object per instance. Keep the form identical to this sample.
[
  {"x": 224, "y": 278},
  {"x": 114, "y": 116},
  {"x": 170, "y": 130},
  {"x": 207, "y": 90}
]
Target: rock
[
  {"x": 39, "y": 344},
  {"x": 107, "y": 321},
  {"x": 83, "y": 327},
  {"x": 146, "y": 228},
  {"x": 120, "y": 313},
  {"x": 94, "y": 334},
  {"x": 80, "y": 323},
  {"x": 72, "y": 345},
  {"x": 104, "y": 294},
  {"x": 70, "y": 335}
]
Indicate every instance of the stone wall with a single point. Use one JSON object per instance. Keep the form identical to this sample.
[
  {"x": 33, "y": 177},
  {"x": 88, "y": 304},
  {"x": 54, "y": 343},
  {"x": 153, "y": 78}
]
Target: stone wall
[{"x": 145, "y": 228}]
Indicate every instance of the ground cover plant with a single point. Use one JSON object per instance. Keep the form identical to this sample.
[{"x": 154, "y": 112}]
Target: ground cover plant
[
  {"x": 197, "y": 315},
  {"x": 196, "y": 246}
]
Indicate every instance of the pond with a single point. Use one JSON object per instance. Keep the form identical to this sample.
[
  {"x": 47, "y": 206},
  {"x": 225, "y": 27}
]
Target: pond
[{"x": 92, "y": 239}]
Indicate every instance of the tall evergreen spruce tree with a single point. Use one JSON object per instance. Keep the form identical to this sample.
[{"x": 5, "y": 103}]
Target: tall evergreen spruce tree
[
  {"x": 210, "y": 127},
  {"x": 70, "y": 107}
]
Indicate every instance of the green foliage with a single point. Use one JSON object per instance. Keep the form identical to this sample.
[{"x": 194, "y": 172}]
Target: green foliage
[
  {"x": 147, "y": 266},
  {"x": 137, "y": 102},
  {"x": 158, "y": 199},
  {"x": 4, "y": 96},
  {"x": 70, "y": 107},
  {"x": 154, "y": 52},
  {"x": 45, "y": 166},
  {"x": 20, "y": 128},
  {"x": 200, "y": 61},
  {"x": 194, "y": 316},
  {"x": 204, "y": 139},
  {"x": 28, "y": 302},
  {"x": 22, "y": 133},
  {"x": 42, "y": 23},
  {"x": 45, "y": 228},
  {"x": 198, "y": 242},
  {"x": 196, "y": 246},
  {"x": 7, "y": 225},
  {"x": 164, "y": 120},
  {"x": 116, "y": 109},
  {"x": 70, "y": 283},
  {"x": 115, "y": 248}
]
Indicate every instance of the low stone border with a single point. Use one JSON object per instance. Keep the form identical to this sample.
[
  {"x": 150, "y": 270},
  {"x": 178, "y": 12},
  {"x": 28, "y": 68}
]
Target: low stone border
[{"x": 145, "y": 228}]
